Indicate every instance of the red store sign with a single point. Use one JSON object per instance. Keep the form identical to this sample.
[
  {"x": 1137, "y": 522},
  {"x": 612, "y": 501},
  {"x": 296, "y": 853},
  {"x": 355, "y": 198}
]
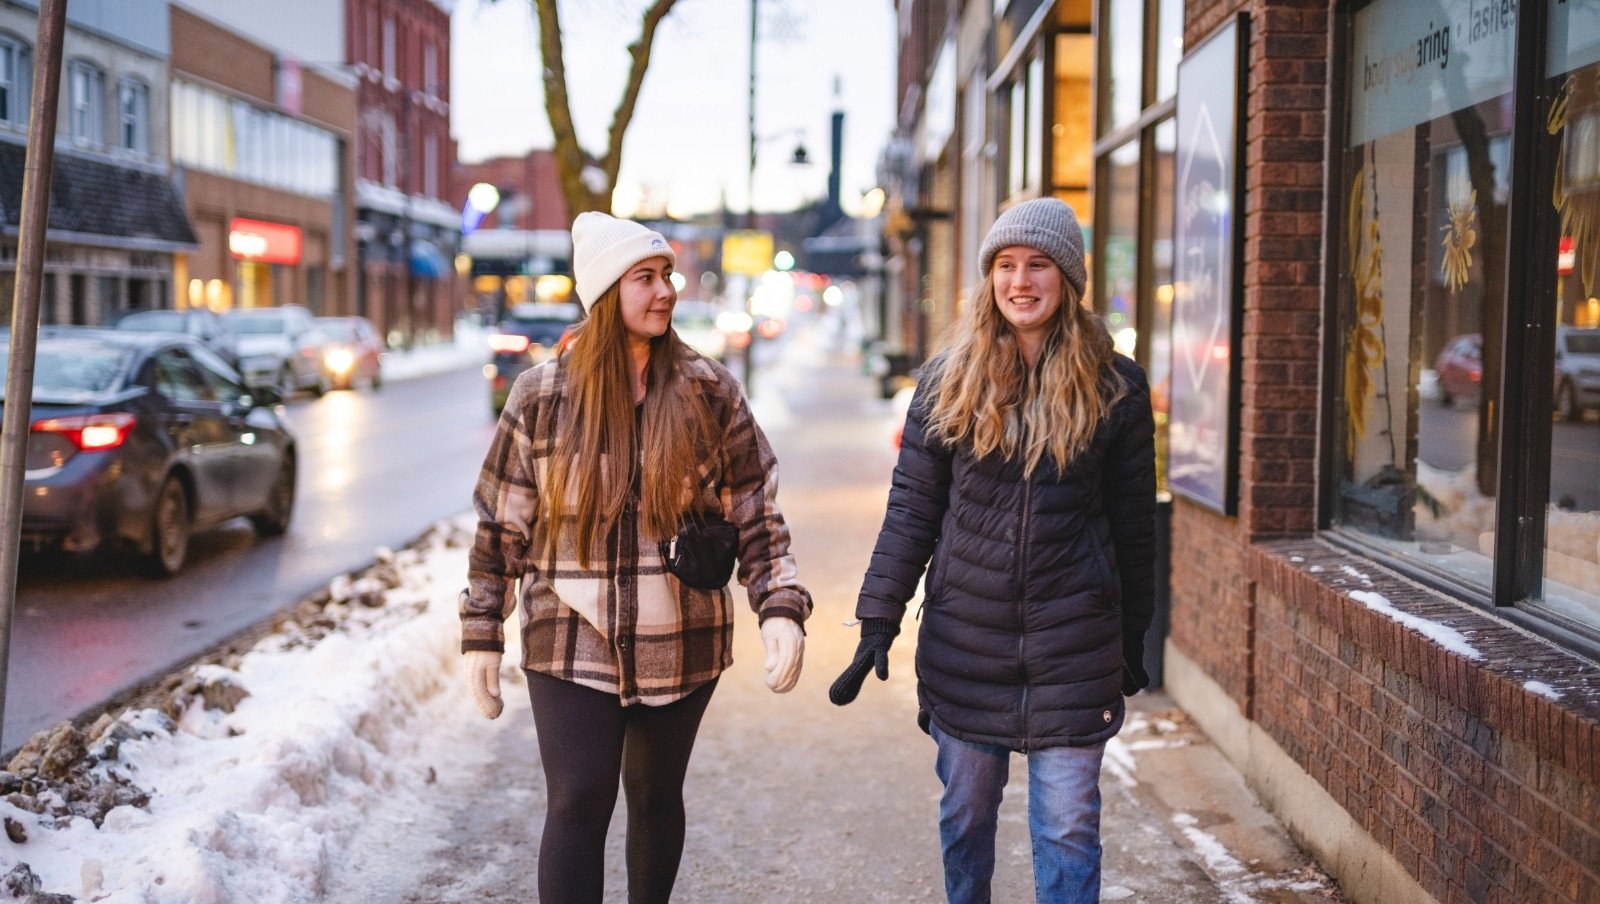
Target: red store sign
[{"x": 257, "y": 240}]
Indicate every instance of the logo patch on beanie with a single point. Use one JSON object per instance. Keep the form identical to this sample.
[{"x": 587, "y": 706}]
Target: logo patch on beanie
[{"x": 657, "y": 243}]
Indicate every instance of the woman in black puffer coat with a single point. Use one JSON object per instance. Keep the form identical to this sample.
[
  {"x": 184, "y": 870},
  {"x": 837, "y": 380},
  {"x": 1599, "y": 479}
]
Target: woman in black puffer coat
[{"x": 1026, "y": 489}]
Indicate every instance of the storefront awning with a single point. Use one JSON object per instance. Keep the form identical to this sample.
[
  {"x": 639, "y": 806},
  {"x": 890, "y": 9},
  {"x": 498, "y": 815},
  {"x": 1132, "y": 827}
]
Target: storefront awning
[
  {"x": 91, "y": 201},
  {"x": 427, "y": 261}
]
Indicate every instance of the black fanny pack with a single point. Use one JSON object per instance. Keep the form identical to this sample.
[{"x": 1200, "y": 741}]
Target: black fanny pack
[{"x": 703, "y": 553}]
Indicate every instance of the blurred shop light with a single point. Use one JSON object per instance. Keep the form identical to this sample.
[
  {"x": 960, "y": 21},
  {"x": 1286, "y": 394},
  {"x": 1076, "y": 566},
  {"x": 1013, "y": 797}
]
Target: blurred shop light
[
  {"x": 678, "y": 281},
  {"x": 783, "y": 260},
  {"x": 1125, "y": 340},
  {"x": 483, "y": 197},
  {"x": 552, "y": 287},
  {"x": 832, "y": 296},
  {"x": 872, "y": 203},
  {"x": 732, "y": 322}
]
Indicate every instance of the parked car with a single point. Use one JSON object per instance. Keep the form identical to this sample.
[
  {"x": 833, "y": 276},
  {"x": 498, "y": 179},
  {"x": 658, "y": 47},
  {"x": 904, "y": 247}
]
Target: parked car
[
  {"x": 695, "y": 322},
  {"x": 1460, "y": 368},
  {"x": 141, "y": 439},
  {"x": 1577, "y": 371},
  {"x": 352, "y": 352},
  {"x": 206, "y": 326},
  {"x": 527, "y": 335},
  {"x": 279, "y": 347}
]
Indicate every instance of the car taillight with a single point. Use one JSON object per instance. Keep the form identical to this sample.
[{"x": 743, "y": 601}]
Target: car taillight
[
  {"x": 90, "y": 432},
  {"x": 509, "y": 343}
]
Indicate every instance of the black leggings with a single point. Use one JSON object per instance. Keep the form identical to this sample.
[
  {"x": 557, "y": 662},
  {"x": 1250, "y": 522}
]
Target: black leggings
[{"x": 587, "y": 738}]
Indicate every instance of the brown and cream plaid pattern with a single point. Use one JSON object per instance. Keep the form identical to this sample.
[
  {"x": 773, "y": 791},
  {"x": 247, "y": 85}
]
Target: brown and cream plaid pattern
[{"x": 622, "y": 625}]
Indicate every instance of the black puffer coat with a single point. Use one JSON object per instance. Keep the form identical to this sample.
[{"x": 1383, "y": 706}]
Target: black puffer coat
[{"x": 1032, "y": 583}]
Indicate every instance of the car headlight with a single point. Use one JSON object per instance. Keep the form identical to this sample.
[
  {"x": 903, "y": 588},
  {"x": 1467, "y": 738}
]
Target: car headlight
[{"x": 339, "y": 360}]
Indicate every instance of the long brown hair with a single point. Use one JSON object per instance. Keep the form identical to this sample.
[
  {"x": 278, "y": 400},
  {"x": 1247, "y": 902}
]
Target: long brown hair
[
  {"x": 984, "y": 394},
  {"x": 593, "y": 461}
]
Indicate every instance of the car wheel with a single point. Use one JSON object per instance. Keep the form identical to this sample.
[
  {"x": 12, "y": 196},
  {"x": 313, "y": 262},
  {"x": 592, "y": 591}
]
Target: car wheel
[
  {"x": 273, "y": 520},
  {"x": 1567, "y": 402},
  {"x": 169, "y": 530},
  {"x": 319, "y": 387},
  {"x": 377, "y": 379},
  {"x": 285, "y": 382}
]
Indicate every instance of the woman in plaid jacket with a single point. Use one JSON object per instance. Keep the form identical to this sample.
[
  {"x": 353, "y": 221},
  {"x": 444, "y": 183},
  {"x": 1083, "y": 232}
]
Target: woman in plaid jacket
[{"x": 598, "y": 456}]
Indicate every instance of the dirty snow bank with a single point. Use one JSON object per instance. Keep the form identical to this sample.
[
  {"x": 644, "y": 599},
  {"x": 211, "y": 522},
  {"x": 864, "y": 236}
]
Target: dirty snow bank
[{"x": 253, "y": 804}]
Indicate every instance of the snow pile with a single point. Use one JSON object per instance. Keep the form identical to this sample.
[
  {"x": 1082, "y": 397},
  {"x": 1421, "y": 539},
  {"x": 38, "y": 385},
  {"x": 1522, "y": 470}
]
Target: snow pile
[
  {"x": 1237, "y": 882},
  {"x": 1443, "y": 635},
  {"x": 242, "y": 783}
]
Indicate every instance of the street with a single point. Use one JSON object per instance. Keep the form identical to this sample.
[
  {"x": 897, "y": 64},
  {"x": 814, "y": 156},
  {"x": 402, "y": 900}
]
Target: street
[
  {"x": 1447, "y": 439},
  {"x": 375, "y": 470}
]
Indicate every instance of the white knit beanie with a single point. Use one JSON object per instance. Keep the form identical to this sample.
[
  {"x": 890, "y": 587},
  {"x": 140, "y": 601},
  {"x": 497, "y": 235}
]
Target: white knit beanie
[
  {"x": 604, "y": 248},
  {"x": 1043, "y": 224}
]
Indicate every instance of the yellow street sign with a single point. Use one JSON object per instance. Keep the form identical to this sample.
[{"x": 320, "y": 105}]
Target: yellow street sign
[{"x": 747, "y": 252}]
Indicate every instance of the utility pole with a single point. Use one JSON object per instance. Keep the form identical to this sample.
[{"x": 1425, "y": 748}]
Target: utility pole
[
  {"x": 25, "y": 309},
  {"x": 749, "y": 350}
]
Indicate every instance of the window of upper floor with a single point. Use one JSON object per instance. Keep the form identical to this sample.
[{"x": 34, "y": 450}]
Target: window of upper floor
[
  {"x": 86, "y": 103},
  {"x": 16, "y": 81},
  {"x": 133, "y": 115}
]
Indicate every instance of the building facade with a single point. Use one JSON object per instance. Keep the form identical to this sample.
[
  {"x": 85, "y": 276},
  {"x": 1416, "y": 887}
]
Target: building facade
[
  {"x": 1384, "y": 585},
  {"x": 261, "y": 136},
  {"x": 408, "y": 231},
  {"x": 116, "y": 228},
  {"x": 529, "y": 187}
]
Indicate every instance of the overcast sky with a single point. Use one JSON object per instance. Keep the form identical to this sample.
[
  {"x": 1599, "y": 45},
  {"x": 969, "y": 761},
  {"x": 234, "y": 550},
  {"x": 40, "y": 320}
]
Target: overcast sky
[{"x": 688, "y": 140}]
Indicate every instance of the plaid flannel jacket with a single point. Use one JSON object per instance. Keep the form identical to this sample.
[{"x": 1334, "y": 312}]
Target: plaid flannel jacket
[{"x": 624, "y": 625}]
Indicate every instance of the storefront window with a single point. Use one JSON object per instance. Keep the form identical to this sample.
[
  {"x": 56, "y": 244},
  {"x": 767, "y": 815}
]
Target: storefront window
[
  {"x": 1117, "y": 229},
  {"x": 1122, "y": 58},
  {"x": 1169, "y": 46},
  {"x": 1159, "y": 298},
  {"x": 1420, "y": 284},
  {"x": 213, "y": 132},
  {"x": 1016, "y": 179},
  {"x": 1071, "y": 140},
  {"x": 1572, "y": 526}
]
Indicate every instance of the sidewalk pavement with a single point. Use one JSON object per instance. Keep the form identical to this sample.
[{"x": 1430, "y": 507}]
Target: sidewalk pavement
[
  {"x": 1181, "y": 826},
  {"x": 792, "y": 799}
]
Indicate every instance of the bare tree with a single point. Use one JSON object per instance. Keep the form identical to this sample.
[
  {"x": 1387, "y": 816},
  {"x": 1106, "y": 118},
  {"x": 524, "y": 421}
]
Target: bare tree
[{"x": 586, "y": 180}]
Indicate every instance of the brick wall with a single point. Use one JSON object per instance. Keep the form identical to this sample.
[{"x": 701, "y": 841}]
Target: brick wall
[{"x": 1480, "y": 788}]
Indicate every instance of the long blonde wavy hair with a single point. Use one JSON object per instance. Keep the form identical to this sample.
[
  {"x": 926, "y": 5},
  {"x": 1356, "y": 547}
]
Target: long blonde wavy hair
[
  {"x": 593, "y": 458},
  {"x": 984, "y": 394}
]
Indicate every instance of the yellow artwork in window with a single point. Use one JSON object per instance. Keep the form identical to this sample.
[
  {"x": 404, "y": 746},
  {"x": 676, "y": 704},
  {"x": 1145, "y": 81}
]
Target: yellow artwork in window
[
  {"x": 1580, "y": 210},
  {"x": 1460, "y": 233},
  {"x": 1363, "y": 346}
]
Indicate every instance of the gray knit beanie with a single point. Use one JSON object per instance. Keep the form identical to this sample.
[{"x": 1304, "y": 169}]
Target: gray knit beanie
[{"x": 1044, "y": 224}]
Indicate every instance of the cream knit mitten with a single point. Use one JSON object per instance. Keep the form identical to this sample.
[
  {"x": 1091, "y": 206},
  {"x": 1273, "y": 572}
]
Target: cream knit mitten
[
  {"x": 786, "y": 647},
  {"x": 483, "y": 678}
]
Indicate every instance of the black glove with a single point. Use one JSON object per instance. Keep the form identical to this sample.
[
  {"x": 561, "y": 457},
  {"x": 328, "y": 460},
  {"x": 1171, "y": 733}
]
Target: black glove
[
  {"x": 1134, "y": 677},
  {"x": 877, "y": 635}
]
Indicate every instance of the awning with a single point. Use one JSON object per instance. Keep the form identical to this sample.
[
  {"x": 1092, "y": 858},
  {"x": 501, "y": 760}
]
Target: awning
[{"x": 427, "y": 261}]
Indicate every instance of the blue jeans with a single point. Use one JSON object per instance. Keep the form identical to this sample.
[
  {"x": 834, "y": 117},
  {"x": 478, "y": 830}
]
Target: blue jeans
[{"x": 1063, "y": 818}]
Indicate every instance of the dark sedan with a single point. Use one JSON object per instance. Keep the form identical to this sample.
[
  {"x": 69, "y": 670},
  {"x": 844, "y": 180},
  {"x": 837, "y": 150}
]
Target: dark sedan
[
  {"x": 141, "y": 439},
  {"x": 528, "y": 335}
]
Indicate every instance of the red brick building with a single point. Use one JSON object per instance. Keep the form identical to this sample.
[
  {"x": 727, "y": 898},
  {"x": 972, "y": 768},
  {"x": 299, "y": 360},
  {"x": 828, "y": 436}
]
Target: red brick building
[
  {"x": 1384, "y": 582},
  {"x": 529, "y": 186},
  {"x": 407, "y": 228}
]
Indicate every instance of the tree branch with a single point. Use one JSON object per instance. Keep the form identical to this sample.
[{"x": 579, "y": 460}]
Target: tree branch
[
  {"x": 640, "y": 52},
  {"x": 570, "y": 158}
]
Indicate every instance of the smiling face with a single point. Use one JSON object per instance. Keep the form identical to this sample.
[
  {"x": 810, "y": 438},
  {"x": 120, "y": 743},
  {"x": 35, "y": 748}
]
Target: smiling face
[
  {"x": 1028, "y": 289},
  {"x": 647, "y": 298}
]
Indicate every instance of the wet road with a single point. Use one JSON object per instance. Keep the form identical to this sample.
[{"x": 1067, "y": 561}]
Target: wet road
[{"x": 375, "y": 470}]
